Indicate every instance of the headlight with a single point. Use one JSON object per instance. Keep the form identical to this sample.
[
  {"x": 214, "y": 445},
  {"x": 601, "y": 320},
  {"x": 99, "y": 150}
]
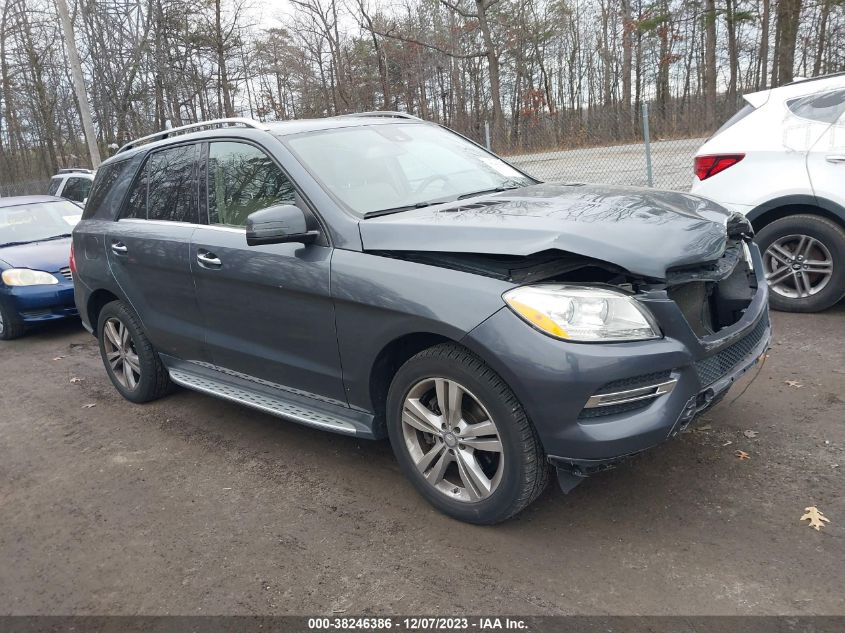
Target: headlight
[
  {"x": 27, "y": 277},
  {"x": 583, "y": 313}
]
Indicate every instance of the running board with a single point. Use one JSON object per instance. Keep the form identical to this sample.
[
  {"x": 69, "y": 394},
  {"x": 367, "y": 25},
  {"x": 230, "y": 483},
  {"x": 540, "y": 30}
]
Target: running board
[{"x": 268, "y": 403}]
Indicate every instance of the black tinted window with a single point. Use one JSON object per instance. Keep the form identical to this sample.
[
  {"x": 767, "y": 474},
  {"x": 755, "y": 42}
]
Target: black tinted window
[
  {"x": 826, "y": 107},
  {"x": 76, "y": 189},
  {"x": 172, "y": 187},
  {"x": 243, "y": 179},
  {"x": 54, "y": 185},
  {"x": 108, "y": 189},
  {"x": 136, "y": 202}
]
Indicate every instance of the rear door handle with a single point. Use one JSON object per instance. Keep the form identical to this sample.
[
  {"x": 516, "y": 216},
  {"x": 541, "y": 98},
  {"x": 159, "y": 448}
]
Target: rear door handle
[
  {"x": 119, "y": 248},
  {"x": 835, "y": 158},
  {"x": 209, "y": 260}
]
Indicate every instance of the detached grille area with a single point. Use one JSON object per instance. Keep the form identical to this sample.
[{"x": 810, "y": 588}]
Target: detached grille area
[
  {"x": 711, "y": 369},
  {"x": 65, "y": 272}
]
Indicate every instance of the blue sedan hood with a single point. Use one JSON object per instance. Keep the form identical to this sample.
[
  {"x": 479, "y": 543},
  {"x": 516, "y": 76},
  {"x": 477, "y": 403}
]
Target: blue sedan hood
[
  {"x": 644, "y": 231},
  {"x": 50, "y": 255}
]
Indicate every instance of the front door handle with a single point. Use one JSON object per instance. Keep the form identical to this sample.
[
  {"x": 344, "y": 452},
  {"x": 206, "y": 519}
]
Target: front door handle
[
  {"x": 119, "y": 248},
  {"x": 835, "y": 158},
  {"x": 209, "y": 260}
]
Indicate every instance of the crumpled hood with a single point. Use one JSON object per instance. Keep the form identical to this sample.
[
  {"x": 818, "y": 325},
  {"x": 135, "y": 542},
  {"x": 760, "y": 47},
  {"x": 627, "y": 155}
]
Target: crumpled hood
[
  {"x": 49, "y": 256},
  {"x": 644, "y": 231}
]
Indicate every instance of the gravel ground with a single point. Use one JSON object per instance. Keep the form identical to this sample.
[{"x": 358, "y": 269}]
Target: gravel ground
[
  {"x": 617, "y": 164},
  {"x": 191, "y": 505}
]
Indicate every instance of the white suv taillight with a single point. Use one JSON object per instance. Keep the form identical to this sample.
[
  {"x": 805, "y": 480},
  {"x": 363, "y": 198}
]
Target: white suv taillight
[{"x": 712, "y": 164}]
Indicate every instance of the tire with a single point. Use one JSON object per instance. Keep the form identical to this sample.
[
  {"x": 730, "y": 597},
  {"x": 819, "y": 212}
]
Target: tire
[
  {"x": 153, "y": 381},
  {"x": 827, "y": 243},
  {"x": 516, "y": 474},
  {"x": 11, "y": 325}
]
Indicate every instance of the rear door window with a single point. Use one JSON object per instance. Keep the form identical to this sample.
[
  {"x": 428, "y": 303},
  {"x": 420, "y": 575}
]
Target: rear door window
[
  {"x": 166, "y": 187},
  {"x": 171, "y": 191}
]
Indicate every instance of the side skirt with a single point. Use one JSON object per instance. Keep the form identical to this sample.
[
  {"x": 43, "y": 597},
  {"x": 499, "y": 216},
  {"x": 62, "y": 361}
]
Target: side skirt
[{"x": 275, "y": 401}]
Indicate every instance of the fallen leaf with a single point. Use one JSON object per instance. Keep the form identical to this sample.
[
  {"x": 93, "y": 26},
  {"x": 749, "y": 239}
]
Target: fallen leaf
[
  {"x": 750, "y": 434},
  {"x": 75, "y": 380},
  {"x": 728, "y": 443},
  {"x": 89, "y": 406},
  {"x": 704, "y": 427},
  {"x": 743, "y": 455},
  {"x": 793, "y": 383},
  {"x": 58, "y": 358},
  {"x": 815, "y": 517}
]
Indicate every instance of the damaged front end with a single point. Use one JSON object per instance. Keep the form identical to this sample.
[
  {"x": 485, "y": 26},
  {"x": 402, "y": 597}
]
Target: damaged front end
[{"x": 635, "y": 395}]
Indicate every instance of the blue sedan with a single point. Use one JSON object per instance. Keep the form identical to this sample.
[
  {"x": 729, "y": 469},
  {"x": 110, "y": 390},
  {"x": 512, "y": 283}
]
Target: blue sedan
[{"x": 36, "y": 283}]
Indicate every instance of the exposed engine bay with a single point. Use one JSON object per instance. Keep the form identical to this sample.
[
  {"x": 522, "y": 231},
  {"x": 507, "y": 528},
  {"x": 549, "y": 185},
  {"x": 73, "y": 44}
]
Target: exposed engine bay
[{"x": 712, "y": 295}]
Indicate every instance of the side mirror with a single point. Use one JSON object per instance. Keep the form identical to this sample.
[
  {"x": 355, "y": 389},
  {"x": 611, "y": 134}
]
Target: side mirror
[{"x": 278, "y": 225}]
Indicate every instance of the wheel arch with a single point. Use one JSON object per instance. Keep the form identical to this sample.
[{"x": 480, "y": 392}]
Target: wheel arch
[
  {"x": 785, "y": 206},
  {"x": 389, "y": 359},
  {"x": 96, "y": 302}
]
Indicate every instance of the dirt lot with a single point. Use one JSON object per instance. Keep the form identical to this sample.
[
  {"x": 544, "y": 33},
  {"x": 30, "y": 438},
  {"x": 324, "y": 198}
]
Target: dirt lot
[{"x": 195, "y": 506}]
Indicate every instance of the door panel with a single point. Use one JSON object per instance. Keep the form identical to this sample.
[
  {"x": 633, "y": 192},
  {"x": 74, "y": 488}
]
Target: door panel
[
  {"x": 149, "y": 260},
  {"x": 149, "y": 251},
  {"x": 268, "y": 310}
]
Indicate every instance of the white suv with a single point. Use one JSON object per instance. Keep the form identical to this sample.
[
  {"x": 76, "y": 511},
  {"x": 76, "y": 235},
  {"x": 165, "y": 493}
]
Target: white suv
[
  {"x": 73, "y": 184},
  {"x": 781, "y": 161}
]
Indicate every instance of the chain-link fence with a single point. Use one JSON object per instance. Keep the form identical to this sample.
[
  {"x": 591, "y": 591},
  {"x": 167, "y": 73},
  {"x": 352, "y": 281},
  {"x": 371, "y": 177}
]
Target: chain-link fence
[
  {"x": 645, "y": 146},
  {"x": 29, "y": 188}
]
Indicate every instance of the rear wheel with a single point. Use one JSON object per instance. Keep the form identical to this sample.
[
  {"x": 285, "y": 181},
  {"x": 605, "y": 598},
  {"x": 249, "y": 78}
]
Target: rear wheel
[
  {"x": 132, "y": 364},
  {"x": 462, "y": 438},
  {"x": 804, "y": 262},
  {"x": 10, "y": 324}
]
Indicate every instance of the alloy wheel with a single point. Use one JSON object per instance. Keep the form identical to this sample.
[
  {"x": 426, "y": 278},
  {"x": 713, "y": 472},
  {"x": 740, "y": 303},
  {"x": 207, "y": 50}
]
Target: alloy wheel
[
  {"x": 797, "y": 266},
  {"x": 2, "y": 323},
  {"x": 121, "y": 354},
  {"x": 452, "y": 440}
]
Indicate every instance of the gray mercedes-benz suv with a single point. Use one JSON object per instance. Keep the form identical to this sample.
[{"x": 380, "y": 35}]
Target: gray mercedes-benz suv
[{"x": 377, "y": 275}]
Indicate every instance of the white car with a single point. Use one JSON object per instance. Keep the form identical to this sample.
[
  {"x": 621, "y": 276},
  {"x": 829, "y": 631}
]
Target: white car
[
  {"x": 73, "y": 184},
  {"x": 781, "y": 162}
]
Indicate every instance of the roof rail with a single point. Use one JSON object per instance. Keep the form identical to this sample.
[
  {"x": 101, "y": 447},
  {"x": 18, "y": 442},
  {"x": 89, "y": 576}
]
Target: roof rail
[
  {"x": 75, "y": 170},
  {"x": 387, "y": 114},
  {"x": 194, "y": 127}
]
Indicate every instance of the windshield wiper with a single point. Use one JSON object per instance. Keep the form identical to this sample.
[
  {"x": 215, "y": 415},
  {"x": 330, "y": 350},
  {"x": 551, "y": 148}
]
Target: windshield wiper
[
  {"x": 15, "y": 243},
  {"x": 498, "y": 189},
  {"x": 45, "y": 239},
  {"x": 407, "y": 207}
]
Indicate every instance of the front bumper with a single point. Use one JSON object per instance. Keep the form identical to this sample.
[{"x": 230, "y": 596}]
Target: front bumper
[
  {"x": 36, "y": 304},
  {"x": 554, "y": 380}
]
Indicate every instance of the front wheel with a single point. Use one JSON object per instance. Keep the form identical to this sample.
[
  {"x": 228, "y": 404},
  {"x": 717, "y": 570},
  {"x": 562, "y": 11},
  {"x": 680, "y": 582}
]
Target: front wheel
[
  {"x": 804, "y": 262},
  {"x": 462, "y": 438},
  {"x": 10, "y": 324}
]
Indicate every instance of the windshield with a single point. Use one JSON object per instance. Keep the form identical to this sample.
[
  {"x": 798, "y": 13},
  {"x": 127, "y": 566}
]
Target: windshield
[
  {"x": 397, "y": 166},
  {"x": 38, "y": 221}
]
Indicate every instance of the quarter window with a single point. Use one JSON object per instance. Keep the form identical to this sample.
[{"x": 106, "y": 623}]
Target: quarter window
[
  {"x": 243, "y": 179},
  {"x": 54, "y": 185},
  {"x": 826, "y": 107}
]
